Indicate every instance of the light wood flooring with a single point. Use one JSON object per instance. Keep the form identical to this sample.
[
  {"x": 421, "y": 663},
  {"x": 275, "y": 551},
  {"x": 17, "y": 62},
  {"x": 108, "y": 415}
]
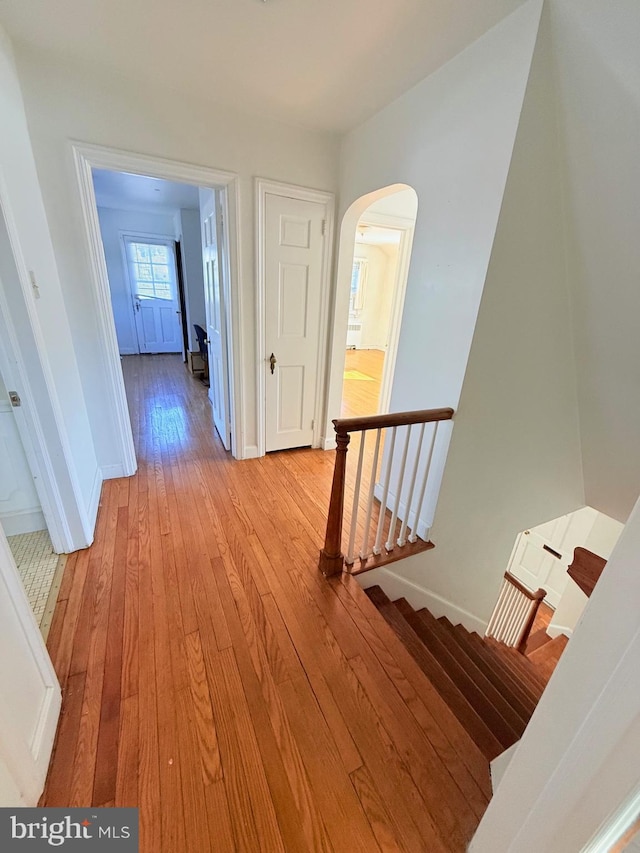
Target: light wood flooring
[
  {"x": 361, "y": 396},
  {"x": 213, "y": 678}
]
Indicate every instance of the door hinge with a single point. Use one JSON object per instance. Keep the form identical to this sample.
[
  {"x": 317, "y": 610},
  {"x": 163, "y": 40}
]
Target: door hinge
[
  {"x": 324, "y": 227},
  {"x": 14, "y": 399},
  {"x": 313, "y": 424}
]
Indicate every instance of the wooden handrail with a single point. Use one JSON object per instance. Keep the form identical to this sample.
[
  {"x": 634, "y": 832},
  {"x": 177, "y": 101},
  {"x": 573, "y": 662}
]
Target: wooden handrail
[
  {"x": 395, "y": 419},
  {"x": 331, "y": 557},
  {"x": 532, "y": 596}
]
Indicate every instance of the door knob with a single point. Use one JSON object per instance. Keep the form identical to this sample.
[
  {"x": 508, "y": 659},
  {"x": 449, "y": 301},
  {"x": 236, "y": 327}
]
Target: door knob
[{"x": 272, "y": 362}]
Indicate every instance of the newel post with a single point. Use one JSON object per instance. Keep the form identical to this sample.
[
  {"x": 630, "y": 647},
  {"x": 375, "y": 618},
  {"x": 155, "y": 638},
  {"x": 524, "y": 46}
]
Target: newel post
[{"x": 331, "y": 556}]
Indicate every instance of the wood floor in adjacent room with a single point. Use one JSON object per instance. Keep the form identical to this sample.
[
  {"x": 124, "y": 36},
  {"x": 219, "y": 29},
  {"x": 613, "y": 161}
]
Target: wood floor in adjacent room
[{"x": 213, "y": 678}]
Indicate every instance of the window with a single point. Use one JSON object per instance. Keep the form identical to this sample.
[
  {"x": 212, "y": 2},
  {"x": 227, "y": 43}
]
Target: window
[
  {"x": 151, "y": 266},
  {"x": 358, "y": 283}
]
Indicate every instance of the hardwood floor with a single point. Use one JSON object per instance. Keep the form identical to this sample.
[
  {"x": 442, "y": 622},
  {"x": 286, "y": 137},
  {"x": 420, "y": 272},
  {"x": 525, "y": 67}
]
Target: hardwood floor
[
  {"x": 213, "y": 678},
  {"x": 360, "y": 395}
]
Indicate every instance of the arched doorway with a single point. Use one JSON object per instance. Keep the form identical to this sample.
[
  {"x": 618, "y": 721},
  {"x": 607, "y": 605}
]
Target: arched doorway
[{"x": 376, "y": 238}]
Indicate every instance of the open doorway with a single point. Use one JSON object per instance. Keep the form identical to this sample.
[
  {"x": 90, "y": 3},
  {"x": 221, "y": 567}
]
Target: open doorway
[
  {"x": 376, "y": 239},
  {"x": 166, "y": 276}
]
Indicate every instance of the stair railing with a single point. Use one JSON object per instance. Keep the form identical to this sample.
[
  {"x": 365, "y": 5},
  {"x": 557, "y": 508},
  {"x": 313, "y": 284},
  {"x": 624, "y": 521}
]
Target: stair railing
[
  {"x": 385, "y": 511},
  {"x": 514, "y": 614}
]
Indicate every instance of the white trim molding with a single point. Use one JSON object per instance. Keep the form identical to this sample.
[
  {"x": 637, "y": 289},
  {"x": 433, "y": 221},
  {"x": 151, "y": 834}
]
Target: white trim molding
[
  {"x": 87, "y": 157},
  {"x": 266, "y": 187}
]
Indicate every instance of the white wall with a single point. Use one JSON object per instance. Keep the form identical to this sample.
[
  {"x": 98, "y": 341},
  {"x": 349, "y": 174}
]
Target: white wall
[
  {"x": 59, "y": 396},
  {"x": 188, "y": 232},
  {"x": 598, "y": 78},
  {"x": 514, "y": 457},
  {"x": 65, "y": 101},
  {"x": 579, "y": 756},
  {"x": 113, "y": 223},
  {"x": 381, "y": 278}
]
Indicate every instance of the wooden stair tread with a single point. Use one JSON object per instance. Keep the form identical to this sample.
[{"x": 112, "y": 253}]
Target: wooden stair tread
[
  {"x": 493, "y": 669},
  {"x": 536, "y": 641},
  {"x": 545, "y": 659},
  {"x": 503, "y": 729},
  {"x": 509, "y": 668},
  {"x": 466, "y": 714},
  {"x": 495, "y": 695},
  {"x": 521, "y": 664}
]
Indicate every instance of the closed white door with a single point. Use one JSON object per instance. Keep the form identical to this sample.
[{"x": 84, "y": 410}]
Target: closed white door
[
  {"x": 30, "y": 697},
  {"x": 293, "y": 268},
  {"x": 537, "y": 554},
  {"x": 154, "y": 289},
  {"x": 215, "y": 307}
]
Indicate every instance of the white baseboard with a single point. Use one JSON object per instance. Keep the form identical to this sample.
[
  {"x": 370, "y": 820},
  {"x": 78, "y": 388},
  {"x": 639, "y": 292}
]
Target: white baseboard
[
  {"x": 129, "y": 351},
  {"x": 395, "y": 586},
  {"x": 94, "y": 500},
  {"x": 328, "y": 443},
  {"x": 22, "y": 521},
  {"x": 424, "y": 530},
  {"x": 556, "y": 630},
  {"x": 250, "y": 451},
  {"x": 113, "y": 472},
  {"x": 500, "y": 763}
]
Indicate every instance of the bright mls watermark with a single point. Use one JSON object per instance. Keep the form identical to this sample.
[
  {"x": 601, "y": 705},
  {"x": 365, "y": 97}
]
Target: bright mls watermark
[{"x": 103, "y": 830}]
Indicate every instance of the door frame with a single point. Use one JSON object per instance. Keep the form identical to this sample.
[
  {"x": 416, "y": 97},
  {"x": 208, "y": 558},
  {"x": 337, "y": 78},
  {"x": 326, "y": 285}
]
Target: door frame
[
  {"x": 266, "y": 187},
  {"x": 87, "y": 157},
  {"x": 27, "y": 417},
  {"x": 406, "y": 227}
]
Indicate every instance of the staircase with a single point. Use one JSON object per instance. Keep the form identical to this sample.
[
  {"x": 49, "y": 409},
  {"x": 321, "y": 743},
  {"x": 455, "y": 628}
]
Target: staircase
[{"x": 492, "y": 689}]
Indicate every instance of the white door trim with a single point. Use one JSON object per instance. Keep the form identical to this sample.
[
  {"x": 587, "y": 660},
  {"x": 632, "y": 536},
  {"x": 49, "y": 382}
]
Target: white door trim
[
  {"x": 27, "y": 762},
  {"x": 265, "y": 187},
  {"x": 27, "y": 417},
  {"x": 87, "y": 157}
]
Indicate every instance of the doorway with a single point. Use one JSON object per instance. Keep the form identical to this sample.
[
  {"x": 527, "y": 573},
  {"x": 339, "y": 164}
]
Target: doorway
[
  {"x": 160, "y": 178},
  {"x": 373, "y": 267}
]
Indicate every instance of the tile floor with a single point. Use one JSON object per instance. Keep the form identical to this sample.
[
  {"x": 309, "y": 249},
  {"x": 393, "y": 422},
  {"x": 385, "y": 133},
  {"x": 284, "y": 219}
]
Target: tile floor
[{"x": 38, "y": 566}]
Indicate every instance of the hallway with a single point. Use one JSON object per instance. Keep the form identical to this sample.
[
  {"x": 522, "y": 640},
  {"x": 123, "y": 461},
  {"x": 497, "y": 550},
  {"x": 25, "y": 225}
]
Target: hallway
[{"x": 213, "y": 678}]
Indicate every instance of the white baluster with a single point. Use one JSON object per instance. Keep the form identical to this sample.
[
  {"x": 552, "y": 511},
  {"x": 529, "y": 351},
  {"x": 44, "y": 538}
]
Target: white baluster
[
  {"x": 402, "y": 539},
  {"x": 364, "y": 553},
  {"x": 385, "y": 494},
  {"x": 349, "y": 559},
  {"x": 498, "y": 611},
  {"x": 414, "y": 530},
  {"x": 389, "y": 544}
]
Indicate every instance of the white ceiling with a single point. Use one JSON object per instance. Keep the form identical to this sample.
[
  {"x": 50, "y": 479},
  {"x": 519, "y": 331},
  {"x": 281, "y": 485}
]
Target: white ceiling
[
  {"x": 325, "y": 64},
  {"x": 136, "y": 192}
]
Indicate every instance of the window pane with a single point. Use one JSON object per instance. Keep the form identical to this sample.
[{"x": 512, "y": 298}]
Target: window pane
[
  {"x": 159, "y": 254},
  {"x": 163, "y": 291},
  {"x": 143, "y": 272},
  {"x": 140, "y": 251},
  {"x": 144, "y": 289},
  {"x": 160, "y": 273}
]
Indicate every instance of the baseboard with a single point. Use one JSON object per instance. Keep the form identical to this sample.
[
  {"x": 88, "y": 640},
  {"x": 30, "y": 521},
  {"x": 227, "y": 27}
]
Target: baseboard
[
  {"x": 395, "y": 586},
  {"x": 556, "y": 630},
  {"x": 112, "y": 472},
  {"x": 250, "y": 451},
  {"x": 94, "y": 500},
  {"x": 129, "y": 351},
  {"x": 22, "y": 521},
  {"x": 328, "y": 443},
  {"x": 500, "y": 763},
  {"x": 424, "y": 529}
]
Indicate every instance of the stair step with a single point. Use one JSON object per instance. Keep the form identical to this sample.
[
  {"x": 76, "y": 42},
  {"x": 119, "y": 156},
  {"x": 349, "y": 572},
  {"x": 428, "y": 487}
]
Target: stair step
[
  {"x": 535, "y": 641},
  {"x": 546, "y": 658},
  {"x": 460, "y": 652},
  {"x": 501, "y": 728},
  {"x": 504, "y": 672},
  {"x": 492, "y": 669},
  {"x": 484, "y": 738},
  {"x": 523, "y": 666}
]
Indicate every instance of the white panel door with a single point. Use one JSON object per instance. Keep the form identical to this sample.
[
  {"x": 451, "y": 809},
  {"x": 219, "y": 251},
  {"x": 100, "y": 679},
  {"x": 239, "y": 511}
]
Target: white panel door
[
  {"x": 293, "y": 258},
  {"x": 30, "y": 696},
  {"x": 154, "y": 289},
  {"x": 537, "y": 553},
  {"x": 215, "y": 307}
]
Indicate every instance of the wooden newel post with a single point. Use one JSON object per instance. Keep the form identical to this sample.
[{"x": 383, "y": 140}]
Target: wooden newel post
[{"x": 331, "y": 556}]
